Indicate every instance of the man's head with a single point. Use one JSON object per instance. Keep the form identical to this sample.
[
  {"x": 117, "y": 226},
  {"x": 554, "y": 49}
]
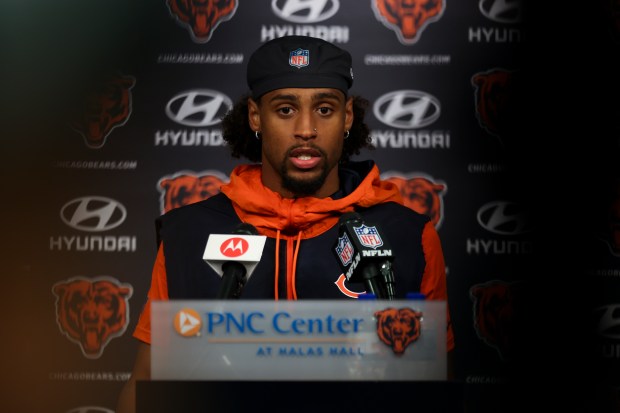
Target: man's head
[{"x": 299, "y": 114}]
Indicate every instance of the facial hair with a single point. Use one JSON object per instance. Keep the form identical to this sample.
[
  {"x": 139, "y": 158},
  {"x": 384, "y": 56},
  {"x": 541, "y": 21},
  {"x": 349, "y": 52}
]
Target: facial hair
[{"x": 304, "y": 187}]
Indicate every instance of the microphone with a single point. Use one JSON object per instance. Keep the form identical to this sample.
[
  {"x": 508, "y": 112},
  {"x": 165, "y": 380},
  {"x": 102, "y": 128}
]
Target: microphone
[
  {"x": 234, "y": 257},
  {"x": 365, "y": 256}
]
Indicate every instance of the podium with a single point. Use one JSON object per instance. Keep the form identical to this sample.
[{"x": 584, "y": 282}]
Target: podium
[{"x": 306, "y": 355}]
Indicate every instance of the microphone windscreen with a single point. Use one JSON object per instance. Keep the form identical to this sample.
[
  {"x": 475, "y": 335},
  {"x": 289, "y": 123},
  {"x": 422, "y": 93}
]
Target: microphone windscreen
[
  {"x": 246, "y": 229},
  {"x": 350, "y": 217}
]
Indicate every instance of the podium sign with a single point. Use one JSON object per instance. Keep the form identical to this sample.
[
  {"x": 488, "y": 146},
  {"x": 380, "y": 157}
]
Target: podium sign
[{"x": 400, "y": 340}]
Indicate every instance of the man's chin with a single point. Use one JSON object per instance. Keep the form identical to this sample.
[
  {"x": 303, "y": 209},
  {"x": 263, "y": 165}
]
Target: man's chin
[{"x": 303, "y": 185}]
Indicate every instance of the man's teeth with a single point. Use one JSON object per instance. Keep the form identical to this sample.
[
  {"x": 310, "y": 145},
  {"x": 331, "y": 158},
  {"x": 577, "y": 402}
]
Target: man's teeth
[{"x": 304, "y": 157}]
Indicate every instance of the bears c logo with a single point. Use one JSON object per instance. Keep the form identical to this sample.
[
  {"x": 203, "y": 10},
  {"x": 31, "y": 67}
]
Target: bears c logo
[
  {"x": 398, "y": 328},
  {"x": 187, "y": 323}
]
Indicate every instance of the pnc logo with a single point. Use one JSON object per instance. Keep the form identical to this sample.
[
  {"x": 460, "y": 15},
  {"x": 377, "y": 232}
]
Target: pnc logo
[
  {"x": 407, "y": 109},
  {"x": 234, "y": 247},
  {"x": 93, "y": 213},
  {"x": 187, "y": 323},
  {"x": 501, "y": 11},
  {"x": 504, "y": 218},
  {"x": 198, "y": 108},
  {"x": 305, "y": 11}
]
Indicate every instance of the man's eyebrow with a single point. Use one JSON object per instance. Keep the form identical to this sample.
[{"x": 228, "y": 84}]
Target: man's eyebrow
[
  {"x": 315, "y": 97},
  {"x": 284, "y": 97},
  {"x": 326, "y": 95}
]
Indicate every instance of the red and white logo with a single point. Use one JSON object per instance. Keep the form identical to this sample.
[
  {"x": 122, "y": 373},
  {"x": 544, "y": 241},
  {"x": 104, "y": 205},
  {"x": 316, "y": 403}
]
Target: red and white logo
[{"x": 234, "y": 247}]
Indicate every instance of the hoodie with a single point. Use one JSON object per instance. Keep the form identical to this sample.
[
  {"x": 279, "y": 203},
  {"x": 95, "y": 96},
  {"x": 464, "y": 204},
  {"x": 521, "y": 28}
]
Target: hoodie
[{"x": 298, "y": 261}]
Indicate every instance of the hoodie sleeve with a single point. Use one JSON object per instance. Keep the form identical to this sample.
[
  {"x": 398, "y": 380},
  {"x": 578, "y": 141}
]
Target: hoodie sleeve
[
  {"x": 434, "y": 283},
  {"x": 158, "y": 291}
]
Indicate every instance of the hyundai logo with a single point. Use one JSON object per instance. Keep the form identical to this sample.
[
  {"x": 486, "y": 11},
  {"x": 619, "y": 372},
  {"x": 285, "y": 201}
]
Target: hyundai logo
[
  {"x": 505, "y": 218},
  {"x": 501, "y": 11},
  {"x": 305, "y": 11},
  {"x": 407, "y": 109},
  {"x": 93, "y": 213},
  {"x": 198, "y": 108}
]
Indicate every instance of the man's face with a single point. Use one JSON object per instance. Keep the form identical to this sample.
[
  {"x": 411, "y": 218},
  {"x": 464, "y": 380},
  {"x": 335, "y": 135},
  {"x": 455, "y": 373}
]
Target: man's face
[{"x": 302, "y": 138}]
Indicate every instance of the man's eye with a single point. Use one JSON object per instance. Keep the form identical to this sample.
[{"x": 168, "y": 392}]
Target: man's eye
[
  {"x": 325, "y": 111},
  {"x": 285, "y": 111}
]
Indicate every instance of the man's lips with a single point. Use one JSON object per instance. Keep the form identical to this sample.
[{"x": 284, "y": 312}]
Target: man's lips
[{"x": 305, "y": 158}]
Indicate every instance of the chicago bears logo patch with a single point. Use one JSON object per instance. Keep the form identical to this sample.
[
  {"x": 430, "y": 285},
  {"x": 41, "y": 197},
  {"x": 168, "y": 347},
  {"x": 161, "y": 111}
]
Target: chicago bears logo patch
[{"x": 398, "y": 328}]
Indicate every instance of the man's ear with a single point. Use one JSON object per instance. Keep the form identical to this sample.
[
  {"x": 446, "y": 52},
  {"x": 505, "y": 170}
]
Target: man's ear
[
  {"x": 348, "y": 117},
  {"x": 253, "y": 115}
]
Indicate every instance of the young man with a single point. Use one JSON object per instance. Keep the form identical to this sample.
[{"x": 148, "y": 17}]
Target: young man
[{"x": 299, "y": 126}]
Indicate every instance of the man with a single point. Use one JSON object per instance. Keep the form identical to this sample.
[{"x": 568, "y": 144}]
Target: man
[{"x": 300, "y": 127}]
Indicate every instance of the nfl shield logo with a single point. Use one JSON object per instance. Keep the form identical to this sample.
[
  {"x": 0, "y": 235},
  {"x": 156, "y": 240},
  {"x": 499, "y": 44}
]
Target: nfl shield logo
[
  {"x": 368, "y": 236},
  {"x": 299, "y": 58},
  {"x": 344, "y": 249}
]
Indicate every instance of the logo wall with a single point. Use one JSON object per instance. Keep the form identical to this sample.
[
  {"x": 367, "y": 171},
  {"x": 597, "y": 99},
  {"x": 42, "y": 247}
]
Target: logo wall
[
  {"x": 105, "y": 106},
  {"x": 507, "y": 220},
  {"x": 409, "y": 112},
  {"x": 91, "y": 312},
  {"x": 305, "y": 14},
  {"x": 201, "y": 17},
  {"x": 496, "y": 312},
  {"x": 421, "y": 192},
  {"x": 408, "y": 19},
  {"x": 186, "y": 187},
  {"x": 93, "y": 214},
  {"x": 196, "y": 109}
]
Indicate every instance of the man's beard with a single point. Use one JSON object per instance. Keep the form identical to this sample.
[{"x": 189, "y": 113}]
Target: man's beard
[{"x": 303, "y": 187}]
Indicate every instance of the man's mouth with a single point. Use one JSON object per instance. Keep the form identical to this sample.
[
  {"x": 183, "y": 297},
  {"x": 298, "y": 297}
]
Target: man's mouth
[{"x": 305, "y": 158}]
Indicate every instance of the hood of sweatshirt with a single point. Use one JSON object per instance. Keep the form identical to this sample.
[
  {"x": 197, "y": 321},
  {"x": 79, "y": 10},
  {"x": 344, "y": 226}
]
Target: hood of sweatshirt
[{"x": 304, "y": 217}]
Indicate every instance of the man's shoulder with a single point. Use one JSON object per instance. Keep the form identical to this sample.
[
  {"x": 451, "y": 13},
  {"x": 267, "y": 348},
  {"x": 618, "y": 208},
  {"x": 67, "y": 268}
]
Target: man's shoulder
[
  {"x": 395, "y": 212},
  {"x": 216, "y": 206}
]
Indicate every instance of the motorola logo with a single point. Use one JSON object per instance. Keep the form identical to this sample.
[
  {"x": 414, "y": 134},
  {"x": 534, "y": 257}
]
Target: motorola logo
[
  {"x": 305, "y": 11},
  {"x": 234, "y": 247},
  {"x": 501, "y": 11},
  {"x": 407, "y": 109},
  {"x": 504, "y": 218},
  {"x": 609, "y": 321},
  {"x": 198, "y": 108},
  {"x": 93, "y": 213}
]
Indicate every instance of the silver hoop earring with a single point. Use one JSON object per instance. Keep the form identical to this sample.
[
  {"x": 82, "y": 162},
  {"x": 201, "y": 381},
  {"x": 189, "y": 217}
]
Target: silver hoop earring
[
  {"x": 257, "y": 134},
  {"x": 346, "y": 134}
]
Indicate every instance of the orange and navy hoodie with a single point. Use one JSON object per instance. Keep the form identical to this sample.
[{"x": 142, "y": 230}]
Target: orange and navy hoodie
[{"x": 298, "y": 261}]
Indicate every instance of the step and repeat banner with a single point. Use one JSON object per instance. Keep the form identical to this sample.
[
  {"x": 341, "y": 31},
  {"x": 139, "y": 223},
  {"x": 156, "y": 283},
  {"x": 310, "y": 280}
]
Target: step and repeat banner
[{"x": 136, "y": 132}]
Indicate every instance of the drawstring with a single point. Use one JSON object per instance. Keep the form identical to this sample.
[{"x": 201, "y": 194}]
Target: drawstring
[
  {"x": 291, "y": 291},
  {"x": 292, "y": 252},
  {"x": 277, "y": 264}
]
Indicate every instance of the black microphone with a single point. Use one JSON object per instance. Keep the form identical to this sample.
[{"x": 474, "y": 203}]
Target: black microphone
[
  {"x": 234, "y": 257},
  {"x": 365, "y": 256}
]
